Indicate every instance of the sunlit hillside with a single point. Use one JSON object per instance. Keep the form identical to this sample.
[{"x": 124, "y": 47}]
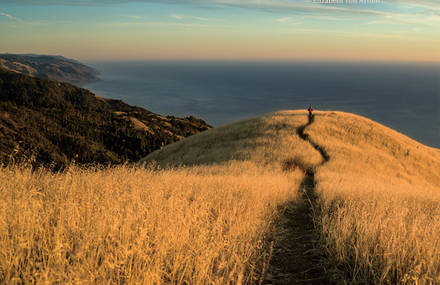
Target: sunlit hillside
[
  {"x": 204, "y": 210},
  {"x": 378, "y": 195},
  {"x": 268, "y": 141},
  {"x": 380, "y": 201},
  {"x": 193, "y": 225}
]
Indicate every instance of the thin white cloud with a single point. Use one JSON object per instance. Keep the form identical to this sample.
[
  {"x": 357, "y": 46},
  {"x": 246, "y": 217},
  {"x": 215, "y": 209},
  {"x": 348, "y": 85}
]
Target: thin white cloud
[
  {"x": 178, "y": 17},
  {"x": 301, "y": 7},
  {"x": 9, "y": 16},
  {"x": 307, "y": 9},
  {"x": 182, "y": 17},
  {"x": 284, "y": 20},
  {"x": 248, "y": 3},
  {"x": 297, "y": 7},
  {"x": 136, "y": 17},
  {"x": 288, "y": 20},
  {"x": 428, "y": 3},
  {"x": 286, "y": 6},
  {"x": 173, "y": 24}
]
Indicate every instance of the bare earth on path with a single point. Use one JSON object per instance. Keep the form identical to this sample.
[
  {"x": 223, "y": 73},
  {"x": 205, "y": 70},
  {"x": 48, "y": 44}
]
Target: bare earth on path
[{"x": 296, "y": 259}]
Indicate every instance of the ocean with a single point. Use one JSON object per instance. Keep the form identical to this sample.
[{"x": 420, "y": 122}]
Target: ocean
[{"x": 403, "y": 96}]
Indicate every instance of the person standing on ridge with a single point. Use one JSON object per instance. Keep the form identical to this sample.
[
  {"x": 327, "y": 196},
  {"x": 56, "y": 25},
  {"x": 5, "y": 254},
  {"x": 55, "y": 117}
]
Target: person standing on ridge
[{"x": 310, "y": 109}]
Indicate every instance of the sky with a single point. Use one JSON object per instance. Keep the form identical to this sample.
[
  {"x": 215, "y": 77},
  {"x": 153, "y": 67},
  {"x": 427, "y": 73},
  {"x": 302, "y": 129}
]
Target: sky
[{"x": 392, "y": 30}]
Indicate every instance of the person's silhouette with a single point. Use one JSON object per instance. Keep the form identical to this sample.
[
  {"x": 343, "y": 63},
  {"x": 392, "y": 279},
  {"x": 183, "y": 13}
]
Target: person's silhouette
[{"x": 310, "y": 109}]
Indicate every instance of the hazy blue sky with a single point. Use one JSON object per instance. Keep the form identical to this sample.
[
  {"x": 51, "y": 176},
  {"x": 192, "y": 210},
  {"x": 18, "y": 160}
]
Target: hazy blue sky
[{"x": 222, "y": 29}]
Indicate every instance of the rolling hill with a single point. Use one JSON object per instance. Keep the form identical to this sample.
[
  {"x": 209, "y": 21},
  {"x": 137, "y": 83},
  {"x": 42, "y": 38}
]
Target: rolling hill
[
  {"x": 377, "y": 197},
  {"x": 277, "y": 199}
]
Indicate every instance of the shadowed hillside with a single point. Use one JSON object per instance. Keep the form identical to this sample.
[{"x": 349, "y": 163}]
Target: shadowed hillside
[{"x": 54, "y": 123}]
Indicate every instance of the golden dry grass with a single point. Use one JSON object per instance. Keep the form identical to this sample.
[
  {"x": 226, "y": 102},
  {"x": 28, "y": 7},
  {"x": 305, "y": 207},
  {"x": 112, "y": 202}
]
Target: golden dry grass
[
  {"x": 380, "y": 201},
  {"x": 200, "y": 224},
  {"x": 269, "y": 141},
  {"x": 205, "y": 214}
]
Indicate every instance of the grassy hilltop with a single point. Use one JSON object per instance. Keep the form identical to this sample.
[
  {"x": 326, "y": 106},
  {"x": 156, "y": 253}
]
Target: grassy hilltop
[{"x": 212, "y": 207}]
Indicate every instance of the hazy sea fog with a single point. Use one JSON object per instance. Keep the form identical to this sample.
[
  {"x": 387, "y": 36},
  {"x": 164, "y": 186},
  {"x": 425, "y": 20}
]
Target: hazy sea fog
[{"x": 403, "y": 96}]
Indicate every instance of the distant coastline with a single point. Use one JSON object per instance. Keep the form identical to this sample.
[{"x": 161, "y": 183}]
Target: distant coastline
[{"x": 50, "y": 67}]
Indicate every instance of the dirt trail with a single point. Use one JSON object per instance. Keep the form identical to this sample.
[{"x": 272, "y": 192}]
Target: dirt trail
[{"x": 296, "y": 259}]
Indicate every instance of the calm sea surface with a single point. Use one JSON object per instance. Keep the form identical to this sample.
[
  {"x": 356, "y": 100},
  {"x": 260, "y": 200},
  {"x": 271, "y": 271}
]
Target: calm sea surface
[{"x": 403, "y": 96}]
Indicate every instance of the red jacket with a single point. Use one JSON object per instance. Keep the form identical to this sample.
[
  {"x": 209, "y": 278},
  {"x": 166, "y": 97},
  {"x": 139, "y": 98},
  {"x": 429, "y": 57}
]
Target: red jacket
[{"x": 310, "y": 109}]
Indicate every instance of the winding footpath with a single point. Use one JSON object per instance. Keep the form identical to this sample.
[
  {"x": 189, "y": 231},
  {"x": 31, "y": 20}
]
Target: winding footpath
[{"x": 296, "y": 259}]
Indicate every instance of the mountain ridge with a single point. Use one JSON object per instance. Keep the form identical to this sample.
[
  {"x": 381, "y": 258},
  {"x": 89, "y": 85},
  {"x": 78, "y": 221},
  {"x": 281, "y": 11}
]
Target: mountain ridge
[
  {"x": 57, "y": 123},
  {"x": 52, "y": 67}
]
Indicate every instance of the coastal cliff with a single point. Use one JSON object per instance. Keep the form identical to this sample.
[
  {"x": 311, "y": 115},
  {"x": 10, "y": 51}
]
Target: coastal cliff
[
  {"x": 55, "y": 123},
  {"x": 49, "y": 67}
]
